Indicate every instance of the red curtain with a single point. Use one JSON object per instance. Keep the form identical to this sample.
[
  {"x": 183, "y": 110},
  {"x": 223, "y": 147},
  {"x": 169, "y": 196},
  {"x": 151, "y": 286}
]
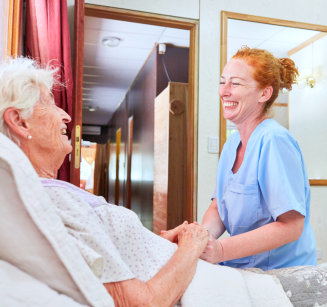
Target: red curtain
[{"x": 48, "y": 40}]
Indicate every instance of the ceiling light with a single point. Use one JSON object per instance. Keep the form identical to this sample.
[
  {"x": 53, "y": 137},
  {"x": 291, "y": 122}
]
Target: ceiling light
[
  {"x": 111, "y": 41},
  {"x": 309, "y": 80},
  {"x": 88, "y": 107}
]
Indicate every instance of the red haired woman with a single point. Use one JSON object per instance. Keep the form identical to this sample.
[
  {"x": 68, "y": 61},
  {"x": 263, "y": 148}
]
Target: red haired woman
[{"x": 262, "y": 195}]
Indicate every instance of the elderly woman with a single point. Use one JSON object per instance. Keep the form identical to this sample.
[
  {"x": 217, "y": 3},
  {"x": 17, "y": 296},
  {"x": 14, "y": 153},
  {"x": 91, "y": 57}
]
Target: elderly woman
[
  {"x": 136, "y": 267},
  {"x": 262, "y": 195}
]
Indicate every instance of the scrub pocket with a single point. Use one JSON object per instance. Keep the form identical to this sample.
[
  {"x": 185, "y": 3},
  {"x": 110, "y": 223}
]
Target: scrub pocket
[{"x": 242, "y": 204}]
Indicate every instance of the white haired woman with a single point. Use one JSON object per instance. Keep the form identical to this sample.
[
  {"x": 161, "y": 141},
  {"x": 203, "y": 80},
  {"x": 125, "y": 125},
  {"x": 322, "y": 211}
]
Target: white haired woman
[{"x": 136, "y": 266}]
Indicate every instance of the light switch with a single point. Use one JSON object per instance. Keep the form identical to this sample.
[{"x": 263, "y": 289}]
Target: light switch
[{"x": 213, "y": 144}]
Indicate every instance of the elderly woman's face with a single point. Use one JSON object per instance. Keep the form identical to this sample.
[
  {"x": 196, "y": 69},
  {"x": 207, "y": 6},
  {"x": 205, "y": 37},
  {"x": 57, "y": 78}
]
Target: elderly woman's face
[
  {"x": 48, "y": 125},
  {"x": 239, "y": 92}
]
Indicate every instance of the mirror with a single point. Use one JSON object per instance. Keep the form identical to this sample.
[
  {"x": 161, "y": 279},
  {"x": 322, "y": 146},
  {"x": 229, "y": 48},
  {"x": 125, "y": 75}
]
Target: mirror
[{"x": 303, "y": 110}]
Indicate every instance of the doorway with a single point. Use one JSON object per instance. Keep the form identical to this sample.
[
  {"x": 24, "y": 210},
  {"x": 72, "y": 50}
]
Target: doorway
[{"x": 140, "y": 19}]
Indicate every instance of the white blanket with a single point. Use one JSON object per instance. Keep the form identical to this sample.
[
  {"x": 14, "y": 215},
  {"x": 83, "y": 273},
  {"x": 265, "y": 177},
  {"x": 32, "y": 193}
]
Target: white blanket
[
  {"x": 214, "y": 286},
  {"x": 219, "y": 286}
]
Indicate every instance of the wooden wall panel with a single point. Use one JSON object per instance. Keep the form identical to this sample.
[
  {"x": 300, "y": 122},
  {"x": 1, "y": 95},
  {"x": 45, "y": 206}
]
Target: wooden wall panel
[
  {"x": 170, "y": 169},
  {"x": 117, "y": 179},
  {"x": 161, "y": 158},
  {"x": 140, "y": 102},
  {"x": 129, "y": 161},
  {"x": 121, "y": 122},
  {"x": 112, "y": 172},
  {"x": 118, "y": 121},
  {"x": 177, "y": 177}
]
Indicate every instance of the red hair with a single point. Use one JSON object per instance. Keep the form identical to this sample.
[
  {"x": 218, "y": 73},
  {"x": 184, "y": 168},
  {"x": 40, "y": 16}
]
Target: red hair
[{"x": 269, "y": 71}]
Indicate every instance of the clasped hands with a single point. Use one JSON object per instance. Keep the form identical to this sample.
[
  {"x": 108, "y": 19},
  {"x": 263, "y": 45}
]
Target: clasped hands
[{"x": 208, "y": 247}]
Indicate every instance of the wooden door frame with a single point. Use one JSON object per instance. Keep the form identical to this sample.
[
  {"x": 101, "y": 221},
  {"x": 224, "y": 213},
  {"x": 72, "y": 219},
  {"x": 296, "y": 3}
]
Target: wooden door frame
[
  {"x": 77, "y": 71},
  {"x": 14, "y": 28},
  {"x": 152, "y": 19}
]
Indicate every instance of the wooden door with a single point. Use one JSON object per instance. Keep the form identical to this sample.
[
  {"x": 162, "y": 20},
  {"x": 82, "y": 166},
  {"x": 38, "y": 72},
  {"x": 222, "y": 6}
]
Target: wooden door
[{"x": 170, "y": 158}]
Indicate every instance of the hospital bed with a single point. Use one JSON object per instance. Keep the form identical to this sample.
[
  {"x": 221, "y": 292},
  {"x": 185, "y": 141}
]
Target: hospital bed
[{"x": 40, "y": 265}]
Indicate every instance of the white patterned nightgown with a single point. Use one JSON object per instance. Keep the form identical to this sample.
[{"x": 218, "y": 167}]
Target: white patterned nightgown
[
  {"x": 111, "y": 238},
  {"x": 117, "y": 247}
]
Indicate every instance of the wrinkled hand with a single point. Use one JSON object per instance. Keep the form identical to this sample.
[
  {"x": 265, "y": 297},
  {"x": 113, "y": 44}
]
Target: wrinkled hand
[
  {"x": 213, "y": 252},
  {"x": 172, "y": 234},
  {"x": 193, "y": 237}
]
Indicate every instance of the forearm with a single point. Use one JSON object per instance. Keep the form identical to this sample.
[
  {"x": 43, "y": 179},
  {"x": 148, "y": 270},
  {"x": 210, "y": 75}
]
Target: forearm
[
  {"x": 212, "y": 221},
  {"x": 260, "y": 240},
  {"x": 172, "y": 280},
  {"x": 164, "y": 289},
  {"x": 168, "y": 285}
]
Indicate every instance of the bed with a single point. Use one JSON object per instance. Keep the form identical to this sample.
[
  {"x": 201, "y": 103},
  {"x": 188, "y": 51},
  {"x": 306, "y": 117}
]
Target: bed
[{"x": 40, "y": 265}]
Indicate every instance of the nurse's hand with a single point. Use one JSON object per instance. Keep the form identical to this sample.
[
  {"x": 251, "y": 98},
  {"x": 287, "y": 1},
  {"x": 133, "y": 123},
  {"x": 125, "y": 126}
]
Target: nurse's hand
[{"x": 213, "y": 253}]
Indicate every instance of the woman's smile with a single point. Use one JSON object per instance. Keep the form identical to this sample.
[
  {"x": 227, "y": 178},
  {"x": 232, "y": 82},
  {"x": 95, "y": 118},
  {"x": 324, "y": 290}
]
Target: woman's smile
[{"x": 230, "y": 104}]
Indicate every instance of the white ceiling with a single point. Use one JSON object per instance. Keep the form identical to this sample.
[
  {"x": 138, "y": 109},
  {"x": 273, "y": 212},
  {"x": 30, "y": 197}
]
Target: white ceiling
[
  {"x": 109, "y": 71},
  {"x": 276, "y": 39}
]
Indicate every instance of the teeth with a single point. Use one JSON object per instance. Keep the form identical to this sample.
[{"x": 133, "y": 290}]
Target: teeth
[
  {"x": 63, "y": 131},
  {"x": 230, "y": 104}
]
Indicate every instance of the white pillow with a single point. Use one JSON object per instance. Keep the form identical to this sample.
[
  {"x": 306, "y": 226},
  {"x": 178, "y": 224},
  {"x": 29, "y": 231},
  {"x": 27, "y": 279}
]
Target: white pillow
[
  {"x": 18, "y": 289},
  {"x": 32, "y": 236}
]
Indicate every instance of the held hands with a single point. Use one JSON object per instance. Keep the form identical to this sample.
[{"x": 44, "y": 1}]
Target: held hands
[
  {"x": 197, "y": 236},
  {"x": 213, "y": 252},
  {"x": 192, "y": 236},
  {"x": 172, "y": 234}
]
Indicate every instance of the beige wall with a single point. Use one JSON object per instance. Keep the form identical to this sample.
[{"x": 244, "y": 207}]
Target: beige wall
[
  {"x": 308, "y": 108},
  {"x": 208, "y": 12},
  {"x": 307, "y": 121}
]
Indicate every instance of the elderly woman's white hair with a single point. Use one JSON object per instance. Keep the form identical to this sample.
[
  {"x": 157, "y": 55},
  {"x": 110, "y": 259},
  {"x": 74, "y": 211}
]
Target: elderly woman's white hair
[{"x": 21, "y": 80}]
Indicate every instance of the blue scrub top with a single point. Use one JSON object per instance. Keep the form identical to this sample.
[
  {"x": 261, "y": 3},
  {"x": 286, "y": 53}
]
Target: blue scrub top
[{"x": 271, "y": 181}]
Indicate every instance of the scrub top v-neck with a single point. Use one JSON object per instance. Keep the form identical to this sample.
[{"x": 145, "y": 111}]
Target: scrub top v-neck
[{"x": 271, "y": 180}]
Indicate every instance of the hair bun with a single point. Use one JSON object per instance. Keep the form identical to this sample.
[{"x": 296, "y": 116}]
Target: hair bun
[{"x": 288, "y": 73}]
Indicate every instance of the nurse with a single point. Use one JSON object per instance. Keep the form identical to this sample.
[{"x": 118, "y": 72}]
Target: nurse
[{"x": 262, "y": 195}]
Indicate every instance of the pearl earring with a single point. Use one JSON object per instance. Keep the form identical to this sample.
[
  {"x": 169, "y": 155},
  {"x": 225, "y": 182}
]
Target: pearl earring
[{"x": 29, "y": 137}]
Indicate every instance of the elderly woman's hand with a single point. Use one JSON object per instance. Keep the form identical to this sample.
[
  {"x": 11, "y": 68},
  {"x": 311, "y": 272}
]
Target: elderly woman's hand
[
  {"x": 213, "y": 252},
  {"x": 193, "y": 236},
  {"x": 169, "y": 284},
  {"x": 172, "y": 234}
]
